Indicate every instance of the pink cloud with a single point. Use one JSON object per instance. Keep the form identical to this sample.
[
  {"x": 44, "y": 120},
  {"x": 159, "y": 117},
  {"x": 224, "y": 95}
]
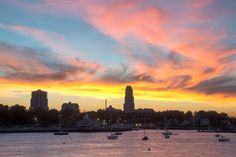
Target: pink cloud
[
  {"x": 186, "y": 31},
  {"x": 54, "y": 41}
]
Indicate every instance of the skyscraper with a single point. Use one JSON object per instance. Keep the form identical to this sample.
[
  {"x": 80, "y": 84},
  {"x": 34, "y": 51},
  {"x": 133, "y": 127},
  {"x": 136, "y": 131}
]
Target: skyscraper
[
  {"x": 129, "y": 99},
  {"x": 39, "y": 100}
]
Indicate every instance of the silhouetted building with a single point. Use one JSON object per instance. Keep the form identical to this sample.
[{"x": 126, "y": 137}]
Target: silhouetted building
[
  {"x": 39, "y": 100},
  {"x": 112, "y": 109},
  {"x": 129, "y": 99},
  {"x": 70, "y": 106},
  {"x": 86, "y": 123},
  {"x": 145, "y": 110}
]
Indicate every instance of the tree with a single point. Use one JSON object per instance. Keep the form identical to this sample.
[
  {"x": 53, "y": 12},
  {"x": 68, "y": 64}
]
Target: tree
[
  {"x": 53, "y": 116},
  {"x": 188, "y": 115},
  {"x": 19, "y": 114},
  {"x": 5, "y": 115}
]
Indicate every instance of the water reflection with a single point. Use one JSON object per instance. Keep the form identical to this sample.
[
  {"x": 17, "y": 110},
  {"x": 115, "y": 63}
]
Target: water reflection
[{"x": 185, "y": 143}]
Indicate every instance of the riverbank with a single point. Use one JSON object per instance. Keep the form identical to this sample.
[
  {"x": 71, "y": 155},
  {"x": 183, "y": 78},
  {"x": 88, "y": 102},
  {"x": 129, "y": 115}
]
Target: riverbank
[
  {"x": 48, "y": 130},
  {"x": 55, "y": 129}
]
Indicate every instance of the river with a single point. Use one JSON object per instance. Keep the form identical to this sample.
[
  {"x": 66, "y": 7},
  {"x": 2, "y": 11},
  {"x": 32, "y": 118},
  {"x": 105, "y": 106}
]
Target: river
[{"x": 184, "y": 144}]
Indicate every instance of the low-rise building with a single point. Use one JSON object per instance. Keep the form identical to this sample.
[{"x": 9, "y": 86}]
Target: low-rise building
[
  {"x": 70, "y": 106},
  {"x": 87, "y": 124}
]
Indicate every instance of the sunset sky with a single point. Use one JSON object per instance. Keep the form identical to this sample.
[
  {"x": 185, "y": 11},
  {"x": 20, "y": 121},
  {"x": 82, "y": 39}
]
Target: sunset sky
[{"x": 176, "y": 54}]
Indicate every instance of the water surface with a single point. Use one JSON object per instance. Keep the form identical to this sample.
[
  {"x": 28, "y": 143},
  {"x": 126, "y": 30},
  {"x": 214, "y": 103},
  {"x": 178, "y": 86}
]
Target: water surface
[{"x": 185, "y": 144}]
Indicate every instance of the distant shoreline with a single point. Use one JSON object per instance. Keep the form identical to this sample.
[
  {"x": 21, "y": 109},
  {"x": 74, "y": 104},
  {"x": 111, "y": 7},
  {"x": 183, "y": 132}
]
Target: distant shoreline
[{"x": 51, "y": 130}]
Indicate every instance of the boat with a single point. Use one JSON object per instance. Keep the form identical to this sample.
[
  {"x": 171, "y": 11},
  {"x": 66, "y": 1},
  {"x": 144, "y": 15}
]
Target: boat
[
  {"x": 112, "y": 136},
  {"x": 61, "y": 133},
  {"x": 167, "y": 132},
  {"x": 223, "y": 139},
  {"x": 118, "y": 133},
  {"x": 145, "y": 137},
  {"x": 217, "y": 133},
  {"x": 167, "y": 136}
]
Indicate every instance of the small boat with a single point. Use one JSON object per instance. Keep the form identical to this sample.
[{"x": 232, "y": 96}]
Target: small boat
[
  {"x": 145, "y": 138},
  {"x": 112, "y": 136},
  {"x": 223, "y": 139},
  {"x": 167, "y": 132},
  {"x": 217, "y": 133},
  {"x": 118, "y": 133},
  {"x": 167, "y": 136},
  {"x": 61, "y": 133}
]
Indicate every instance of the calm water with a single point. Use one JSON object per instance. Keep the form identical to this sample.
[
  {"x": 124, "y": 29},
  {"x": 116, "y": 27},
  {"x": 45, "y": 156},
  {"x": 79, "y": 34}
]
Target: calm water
[{"x": 185, "y": 144}]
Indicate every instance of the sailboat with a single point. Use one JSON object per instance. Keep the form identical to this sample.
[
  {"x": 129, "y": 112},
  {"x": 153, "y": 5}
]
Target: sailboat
[
  {"x": 217, "y": 134},
  {"x": 223, "y": 139},
  {"x": 111, "y": 135},
  {"x": 167, "y": 133},
  {"x": 60, "y": 132},
  {"x": 145, "y": 137}
]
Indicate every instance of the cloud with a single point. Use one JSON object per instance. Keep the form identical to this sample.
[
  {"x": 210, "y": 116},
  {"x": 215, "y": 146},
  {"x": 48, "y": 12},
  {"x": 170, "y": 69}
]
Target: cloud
[
  {"x": 123, "y": 74},
  {"x": 208, "y": 70},
  {"x": 179, "y": 82},
  {"x": 169, "y": 44},
  {"x": 230, "y": 58},
  {"x": 27, "y": 64},
  {"x": 56, "y": 42},
  {"x": 224, "y": 84}
]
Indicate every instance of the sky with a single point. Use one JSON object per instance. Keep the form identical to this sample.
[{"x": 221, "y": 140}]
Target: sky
[{"x": 176, "y": 54}]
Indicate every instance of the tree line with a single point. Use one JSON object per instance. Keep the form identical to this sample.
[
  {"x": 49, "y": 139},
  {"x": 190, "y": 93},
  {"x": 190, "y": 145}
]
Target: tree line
[{"x": 18, "y": 115}]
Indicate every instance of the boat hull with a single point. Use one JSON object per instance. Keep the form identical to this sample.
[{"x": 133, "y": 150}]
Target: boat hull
[{"x": 60, "y": 133}]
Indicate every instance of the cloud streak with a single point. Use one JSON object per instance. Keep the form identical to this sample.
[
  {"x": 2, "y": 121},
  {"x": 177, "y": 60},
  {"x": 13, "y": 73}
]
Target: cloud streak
[
  {"x": 217, "y": 85},
  {"x": 27, "y": 64}
]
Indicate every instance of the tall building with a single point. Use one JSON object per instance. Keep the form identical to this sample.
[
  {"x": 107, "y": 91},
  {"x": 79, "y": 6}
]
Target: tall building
[
  {"x": 39, "y": 100},
  {"x": 129, "y": 99}
]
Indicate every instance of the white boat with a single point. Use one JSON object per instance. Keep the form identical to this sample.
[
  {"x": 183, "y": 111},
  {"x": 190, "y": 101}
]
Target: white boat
[
  {"x": 112, "y": 136},
  {"x": 223, "y": 139},
  {"x": 167, "y": 132}
]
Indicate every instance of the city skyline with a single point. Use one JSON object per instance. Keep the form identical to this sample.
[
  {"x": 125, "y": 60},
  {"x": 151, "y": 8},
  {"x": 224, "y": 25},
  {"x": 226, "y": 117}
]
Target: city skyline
[{"x": 176, "y": 55}]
